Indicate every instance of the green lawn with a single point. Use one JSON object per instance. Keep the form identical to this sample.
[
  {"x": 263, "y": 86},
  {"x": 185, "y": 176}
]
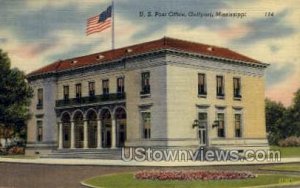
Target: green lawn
[
  {"x": 288, "y": 167},
  {"x": 287, "y": 151},
  {"x": 127, "y": 180}
]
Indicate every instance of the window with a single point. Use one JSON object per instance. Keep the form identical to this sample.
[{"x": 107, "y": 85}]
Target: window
[
  {"x": 78, "y": 91},
  {"x": 220, "y": 86},
  {"x": 146, "y": 123},
  {"x": 202, "y": 117},
  {"x": 66, "y": 93},
  {"x": 105, "y": 87},
  {"x": 201, "y": 84},
  {"x": 237, "y": 87},
  {"x": 238, "y": 124},
  {"x": 145, "y": 83},
  {"x": 221, "y": 125},
  {"x": 40, "y": 98},
  {"x": 39, "y": 131},
  {"x": 91, "y": 89},
  {"x": 120, "y": 85}
]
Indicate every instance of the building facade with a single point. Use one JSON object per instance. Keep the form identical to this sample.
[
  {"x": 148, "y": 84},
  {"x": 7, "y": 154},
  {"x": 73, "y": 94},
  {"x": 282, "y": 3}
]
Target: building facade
[{"x": 163, "y": 93}]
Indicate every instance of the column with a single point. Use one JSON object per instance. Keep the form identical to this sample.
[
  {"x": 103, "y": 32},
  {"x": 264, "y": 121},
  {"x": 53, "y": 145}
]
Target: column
[
  {"x": 60, "y": 135},
  {"x": 72, "y": 135},
  {"x": 85, "y": 134},
  {"x": 113, "y": 132},
  {"x": 99, "y": 134}
]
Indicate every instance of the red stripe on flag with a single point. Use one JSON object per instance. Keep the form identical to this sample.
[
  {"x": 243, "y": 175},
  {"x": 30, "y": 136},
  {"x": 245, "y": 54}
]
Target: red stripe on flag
[
  {"x": 98, "y": 25},
  {"x": 98, "y": 29},
  {"x": 93, "y": 26}
]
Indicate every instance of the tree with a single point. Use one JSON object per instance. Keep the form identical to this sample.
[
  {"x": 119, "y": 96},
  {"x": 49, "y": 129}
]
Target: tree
[
  {"x": 293, "y": 116},
  {"x": 275, "y": 113},
  {"x": 15, "y": 95},
  {"x": 283, "y": 122}
]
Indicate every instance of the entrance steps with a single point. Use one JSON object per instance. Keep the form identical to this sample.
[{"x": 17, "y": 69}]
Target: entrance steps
[{"x": 105, "y": 153}]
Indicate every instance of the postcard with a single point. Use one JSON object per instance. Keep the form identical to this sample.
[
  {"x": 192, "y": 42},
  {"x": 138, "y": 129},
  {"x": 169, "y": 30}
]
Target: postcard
[{"x": 136, "y": 93}]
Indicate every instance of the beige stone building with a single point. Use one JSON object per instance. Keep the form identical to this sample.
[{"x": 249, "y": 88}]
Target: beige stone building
[{"x": 163, "y": 93}]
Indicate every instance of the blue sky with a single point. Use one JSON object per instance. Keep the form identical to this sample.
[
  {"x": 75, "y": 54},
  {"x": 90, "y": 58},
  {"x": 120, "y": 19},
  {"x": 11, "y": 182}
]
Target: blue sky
[{"x": 38, "y": 32}]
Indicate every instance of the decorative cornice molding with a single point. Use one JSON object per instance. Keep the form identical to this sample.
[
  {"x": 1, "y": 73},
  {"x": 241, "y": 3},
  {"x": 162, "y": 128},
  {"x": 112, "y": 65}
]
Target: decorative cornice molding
[
  {"x": 203, "y": 106},
  {"x": 122, "y": 62}
]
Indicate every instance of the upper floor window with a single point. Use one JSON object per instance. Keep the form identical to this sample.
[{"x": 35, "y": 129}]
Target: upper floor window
[
  {"x": 66, "y": 93},
  {"x": 201, "y": 84},
  {"x": 40, "y": 98},
  {"x": 39, "y": 131},
  {"x": 237, "y": 87},
  {"x": 120, "y": 85},
  {"x": 145, "y": 83},
  {"x": 91, "y": 89},
  {"x": 146, "y": 124},
  {"x": 238, "y": 124},
  {"x": 78, "y": 91},
  {"x": 221, "y": 124},
  {"x": 105, "y": 87},
  {"x": 220, "y": 86}
]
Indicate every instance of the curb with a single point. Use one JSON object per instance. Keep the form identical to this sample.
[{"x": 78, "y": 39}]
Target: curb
[{"x": 89, "y": 162}]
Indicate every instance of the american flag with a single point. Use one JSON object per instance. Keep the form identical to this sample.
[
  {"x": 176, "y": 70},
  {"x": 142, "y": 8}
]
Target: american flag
[{"x": 100, "y": 22}]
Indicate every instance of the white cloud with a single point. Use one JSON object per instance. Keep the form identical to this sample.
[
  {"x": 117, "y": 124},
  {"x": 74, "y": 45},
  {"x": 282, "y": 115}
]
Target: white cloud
[
  {"x": 40, "y": 4},
  {"x": 198, "y": 34}
]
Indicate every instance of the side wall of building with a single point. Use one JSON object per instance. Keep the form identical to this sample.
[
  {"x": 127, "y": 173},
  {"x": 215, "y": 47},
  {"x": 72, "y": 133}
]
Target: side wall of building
[
  {"x": 155, "y": 103},
  {"x": 183, "y": 103},
  {"x": 45, "y": 114}
]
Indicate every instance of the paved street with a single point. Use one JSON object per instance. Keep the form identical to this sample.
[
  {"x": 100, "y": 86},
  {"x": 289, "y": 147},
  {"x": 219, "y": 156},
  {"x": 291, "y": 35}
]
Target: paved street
[{"x": 52, "y": 176}]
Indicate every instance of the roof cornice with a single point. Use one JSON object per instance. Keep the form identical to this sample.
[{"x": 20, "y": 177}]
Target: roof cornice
[{"x": 148, "y": 54}]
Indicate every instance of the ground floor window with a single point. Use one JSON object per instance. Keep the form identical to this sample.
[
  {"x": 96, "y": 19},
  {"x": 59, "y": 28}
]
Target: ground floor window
[
  {"x": 39, "y": 131},
  {"x": 221, "y": 124},
  {"x": 146, "y": 124},
  {"x": 238, "y": 124}
]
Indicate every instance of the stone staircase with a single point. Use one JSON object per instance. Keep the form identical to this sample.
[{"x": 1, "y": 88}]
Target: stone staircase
[{"x": 106, "y": 153}]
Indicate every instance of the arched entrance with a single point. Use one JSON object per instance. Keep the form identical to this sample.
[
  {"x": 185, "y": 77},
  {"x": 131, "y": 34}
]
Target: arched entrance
[
  {"x": 106, "y": 136},
  {"x": 66, "y": 130},
  {"x": 92, "y": 129},
  {"x": 120, "y": 116},
  {"x": 78, "y": 126}
]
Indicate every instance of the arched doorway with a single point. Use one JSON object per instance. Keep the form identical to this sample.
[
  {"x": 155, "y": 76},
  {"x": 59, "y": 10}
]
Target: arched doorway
[
  {"x": 105, "y": 117},
  {"x": 92, "y": 129},
  {"x": 78, "y": 126},
  {"x": 66, "y": 130},
  {"x": 120, "y": 115}
]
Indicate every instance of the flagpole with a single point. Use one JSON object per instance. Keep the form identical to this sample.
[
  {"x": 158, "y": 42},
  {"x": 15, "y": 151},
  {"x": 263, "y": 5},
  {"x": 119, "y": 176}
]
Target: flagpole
[{"x": 113, "y": 26}]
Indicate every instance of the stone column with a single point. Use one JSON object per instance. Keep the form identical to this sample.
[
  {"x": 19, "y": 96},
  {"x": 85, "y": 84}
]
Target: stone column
[
  {"x": 113, "y": 132},
  {"x": 85, "y": 134},
  {"x": 60, "y": 135},
  {"x": 99, "y": 134},
  {"x": 72, "y": 135}
]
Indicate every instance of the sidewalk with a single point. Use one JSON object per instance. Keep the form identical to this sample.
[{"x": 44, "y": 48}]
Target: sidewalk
[{"x": 102, "y": 162}]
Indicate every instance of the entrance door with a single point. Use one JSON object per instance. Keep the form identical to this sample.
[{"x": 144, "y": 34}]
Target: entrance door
[
  {"x": 106, "y": 136},
  {"x": 79, "y": 136},
  {"x": 202, "y": 130},
  {"x": 202, "y": 136},
  {"x": 66, "y": 135},
  {"x": 92, "y": 134}
]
